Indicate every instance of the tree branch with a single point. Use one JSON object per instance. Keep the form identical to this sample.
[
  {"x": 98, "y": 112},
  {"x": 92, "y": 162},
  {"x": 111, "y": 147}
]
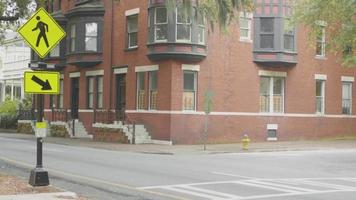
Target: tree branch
[{"x": 9, "y": 18}]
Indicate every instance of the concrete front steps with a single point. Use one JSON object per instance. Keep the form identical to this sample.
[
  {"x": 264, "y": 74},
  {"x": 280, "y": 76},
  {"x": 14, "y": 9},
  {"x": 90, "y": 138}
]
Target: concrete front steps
[
  {"x": 79, "y": 129},
  {"x": 142, "y": 136}
]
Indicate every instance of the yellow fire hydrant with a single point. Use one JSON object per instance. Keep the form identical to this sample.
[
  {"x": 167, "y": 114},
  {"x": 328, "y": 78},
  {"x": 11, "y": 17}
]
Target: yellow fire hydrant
[{"x": 245, "y": 142}]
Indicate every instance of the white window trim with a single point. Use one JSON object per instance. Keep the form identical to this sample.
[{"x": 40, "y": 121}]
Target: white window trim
[
  {"x": 272, "y": 73},
  {"x": 155, "y": 25},
  {"x": 96, "y": 36},
  {"x": 350, "y": 83},
  {"x": 271, "y": 103},
  {"x": 323, "y": 97},
  {"x": 74, "y": 75},
  {"x": 149, "y": 91},
  {"x": 130, "y": 12},
  {"x": 120, "y": 70},
  {"x": 195, "y": 89},
  {"x": 137, "y": 89},
  {"x": 146, "y": 68},
  {"x": 249, "y": 17},
  {"x": 190, "y": 29},
  {"x": 347, "y": 78},
  {"x": 323, "y": 43},
  {"x": 128, "y": 33},
  {"x": 95, "y": 73},
  {"x": 320, "y": 77},
  {"x": 187, "y": 67}
]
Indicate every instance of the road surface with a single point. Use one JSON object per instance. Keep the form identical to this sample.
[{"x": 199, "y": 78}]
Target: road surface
[{"x": 103, "y": 174}]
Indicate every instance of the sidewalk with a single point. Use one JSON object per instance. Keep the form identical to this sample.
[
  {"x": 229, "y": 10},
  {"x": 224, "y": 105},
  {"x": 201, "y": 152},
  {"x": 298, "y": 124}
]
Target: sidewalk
[
  {"x": 344, "y": 143},
  {"x": 43, "y": 196}
]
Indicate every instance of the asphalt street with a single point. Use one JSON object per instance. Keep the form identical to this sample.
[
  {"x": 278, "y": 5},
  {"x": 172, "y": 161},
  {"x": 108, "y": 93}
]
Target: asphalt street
[{"x": 103, "y": 174}]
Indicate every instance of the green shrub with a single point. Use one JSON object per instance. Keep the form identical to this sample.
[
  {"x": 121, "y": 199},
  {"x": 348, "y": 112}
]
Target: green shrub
[
  {"x": 58, "y": 131},
  {"x": 9, "y": 114}
]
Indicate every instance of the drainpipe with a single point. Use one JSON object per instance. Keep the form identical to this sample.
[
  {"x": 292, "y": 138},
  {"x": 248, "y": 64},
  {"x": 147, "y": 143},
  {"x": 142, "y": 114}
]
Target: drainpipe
[{"x": 111, "y": 53}]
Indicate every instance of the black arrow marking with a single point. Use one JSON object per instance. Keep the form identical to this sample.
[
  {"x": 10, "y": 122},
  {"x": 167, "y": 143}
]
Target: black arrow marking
[{"x": 45, "y": 85}]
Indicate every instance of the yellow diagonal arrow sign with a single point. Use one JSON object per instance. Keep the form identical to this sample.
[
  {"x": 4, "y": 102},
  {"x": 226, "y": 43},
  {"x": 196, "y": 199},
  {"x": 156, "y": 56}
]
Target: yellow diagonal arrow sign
[{"x": 42, "y": 82}]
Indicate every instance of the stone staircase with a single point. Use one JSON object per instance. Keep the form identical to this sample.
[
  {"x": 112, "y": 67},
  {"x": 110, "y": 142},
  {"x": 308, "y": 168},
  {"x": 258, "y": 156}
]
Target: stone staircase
[
  {"x": 141, "y": 134},
  {"x": 79, "y": 130}
]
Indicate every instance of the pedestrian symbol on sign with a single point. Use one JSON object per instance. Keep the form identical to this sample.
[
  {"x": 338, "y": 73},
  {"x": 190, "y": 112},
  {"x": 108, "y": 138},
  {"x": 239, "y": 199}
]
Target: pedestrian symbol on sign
[
  {"x": 43, "y": 29},
  {"x": 41, "y": 32}
]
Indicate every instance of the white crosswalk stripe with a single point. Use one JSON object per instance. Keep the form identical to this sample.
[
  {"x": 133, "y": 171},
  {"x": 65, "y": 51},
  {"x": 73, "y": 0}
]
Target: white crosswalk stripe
[{"x": 277, "y": 187}]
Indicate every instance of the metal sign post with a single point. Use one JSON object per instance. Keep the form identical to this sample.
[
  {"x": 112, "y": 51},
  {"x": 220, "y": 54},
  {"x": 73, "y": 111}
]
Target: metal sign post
[
  {"x": 42, "y": 33},
  {"x": 39, "y": 176}
]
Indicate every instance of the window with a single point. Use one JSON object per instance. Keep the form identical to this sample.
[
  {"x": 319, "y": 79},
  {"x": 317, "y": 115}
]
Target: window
[
  {"x": 183, "y": 29},
  {"x": 272, "y": 94},
  {"x": 201, "y": 28},
  {"x": 17, "y": 92},
  {"x": 91, "y": 35},
  {"x": 288, "y": 35},
  {"x": 152, "y": 77},
  {"x": 190, "y": 90},
  {"x": 140, "y": 90},
  {"x": 91, "y": 92},
  {"x": 55, "y": 51},
  {"x": 95, "y": 90},
  {"x": 132, "y": 31},
  {"x": 320, "y": 96},
  {"x": 161, "y": 23},
  {"x": 320, "y": 41},
  {"x": 99, "y": 92},
  {"x": 60, "y": 95},
  {"x": 346, "y": 98},
  {"x": 267, "y": 33},
  {"x": 72, "y": 37},
  {"x": 245, "y": 26}
]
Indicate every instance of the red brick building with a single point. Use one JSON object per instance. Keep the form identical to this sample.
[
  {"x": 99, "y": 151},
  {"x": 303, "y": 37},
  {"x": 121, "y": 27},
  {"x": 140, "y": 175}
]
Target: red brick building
[{"x": 138, "y": 61}]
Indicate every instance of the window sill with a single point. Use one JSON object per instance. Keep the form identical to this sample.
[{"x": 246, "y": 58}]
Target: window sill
[
  {"x": 131, "y": 49},
  {"x": 320, "y": 57},
  {"x": 245, "y": 40}
]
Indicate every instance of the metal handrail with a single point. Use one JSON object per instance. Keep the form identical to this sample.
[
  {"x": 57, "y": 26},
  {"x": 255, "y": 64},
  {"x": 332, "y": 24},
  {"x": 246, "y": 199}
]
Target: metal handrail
[{"x": 133, "y": 123}]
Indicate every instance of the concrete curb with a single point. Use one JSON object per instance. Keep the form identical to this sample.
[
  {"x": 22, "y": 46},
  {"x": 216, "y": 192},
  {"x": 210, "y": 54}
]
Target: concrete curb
[{"x": 42, "y": 196}]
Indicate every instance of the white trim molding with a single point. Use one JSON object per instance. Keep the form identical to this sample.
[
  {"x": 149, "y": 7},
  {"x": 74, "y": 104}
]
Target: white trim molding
[
  {"x": 74, "y": 74},
  {"x": 246, "y": 114},
  {"x": 99, "y": 72},
  {"x": 120, "y": 70},
  {"x": 272, "y": 73},
  {"x": 146, "y": 68},
  {"x": 62, "y": 76},
  {"x": 85, "y": 110},
  {"x": 347, "y": 78},
  {"x": 134, "y": 11},
  {"x": 191, "y": 67},
  {"x": 320, "y": 77}
]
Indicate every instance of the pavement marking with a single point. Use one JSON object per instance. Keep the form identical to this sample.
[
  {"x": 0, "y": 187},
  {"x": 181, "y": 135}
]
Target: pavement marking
[
  {"x": 199, "y": 194},
  {"x": 282, "y": 187},
  {"x": 329, "y": 185},
  {"x": 118, "y": 185},
  {"x": 211, "y": 192},
  {"x": 295, "y": 189},
  {"x": 233, "y": 175},
  {"x": 261, "y": 185}
]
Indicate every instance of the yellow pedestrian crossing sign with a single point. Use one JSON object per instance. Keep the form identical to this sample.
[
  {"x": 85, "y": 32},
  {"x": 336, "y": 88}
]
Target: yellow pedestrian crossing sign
[
  {"x": 42, "y": 32},
  {"x": 41, "y": 82}
]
